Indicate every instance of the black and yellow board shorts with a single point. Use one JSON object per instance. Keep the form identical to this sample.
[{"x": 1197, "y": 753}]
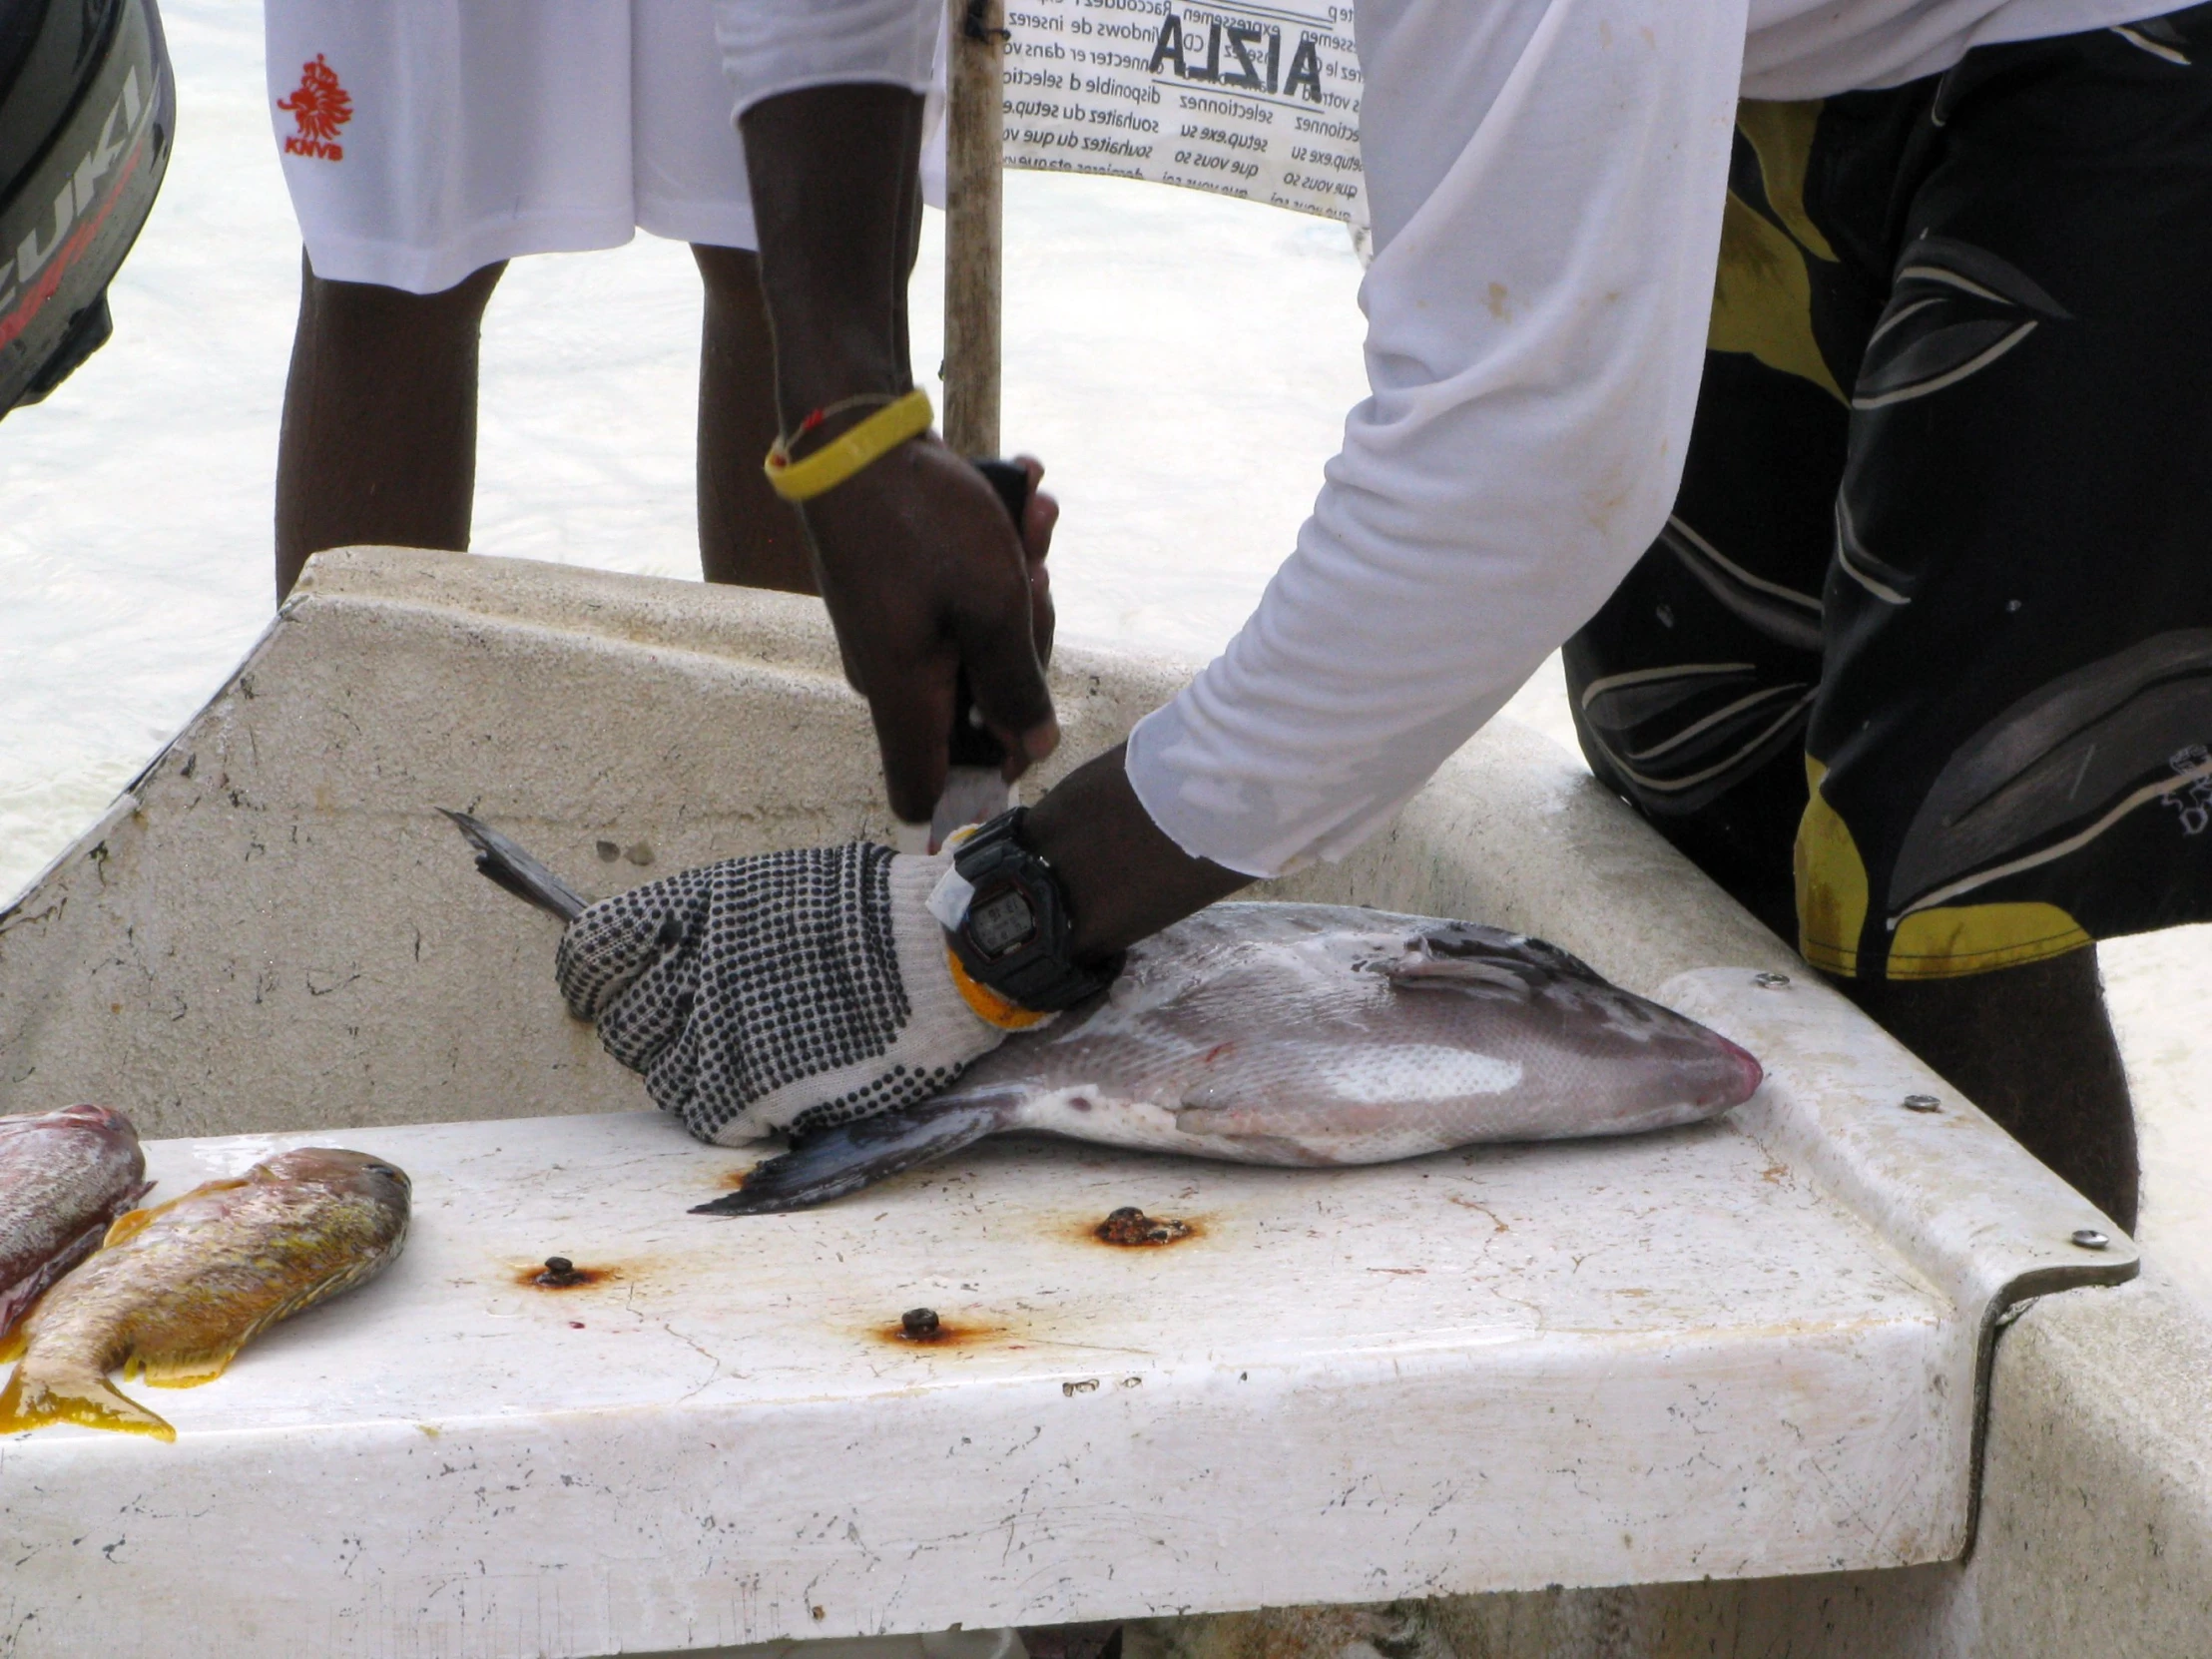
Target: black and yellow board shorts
[{"x": 1920, "y": 668}]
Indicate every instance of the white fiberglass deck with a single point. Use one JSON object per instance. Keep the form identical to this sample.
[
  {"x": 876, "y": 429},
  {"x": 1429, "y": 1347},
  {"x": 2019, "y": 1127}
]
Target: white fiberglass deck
[
  {"x": 1751, "y": 1349},
  {"x": 1591, "y": 1362}
]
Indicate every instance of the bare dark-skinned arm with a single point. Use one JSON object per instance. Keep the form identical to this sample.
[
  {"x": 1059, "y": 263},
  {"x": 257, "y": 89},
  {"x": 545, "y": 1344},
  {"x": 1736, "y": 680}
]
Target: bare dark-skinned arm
[
  {"x": 1124, "y": 879},
  {"x": 914, "y": 557},
  {"x": 916, "y": 562}
]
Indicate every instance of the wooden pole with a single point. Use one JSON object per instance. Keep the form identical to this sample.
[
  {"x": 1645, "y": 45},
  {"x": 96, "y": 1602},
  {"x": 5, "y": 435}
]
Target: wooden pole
[{"x": 975, "y": 155}]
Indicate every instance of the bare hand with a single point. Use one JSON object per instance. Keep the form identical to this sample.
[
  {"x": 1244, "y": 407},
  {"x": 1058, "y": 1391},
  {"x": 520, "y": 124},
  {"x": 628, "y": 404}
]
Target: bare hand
[
  {"x": 1038, "y": 519},
  {"x": 921, "y": 571},
  {"x": 922, "y": 575}
]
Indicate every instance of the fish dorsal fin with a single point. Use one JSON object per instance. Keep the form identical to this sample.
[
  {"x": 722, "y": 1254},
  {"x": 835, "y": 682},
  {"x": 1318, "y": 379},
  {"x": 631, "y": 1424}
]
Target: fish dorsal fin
[
  {"x": 128, "y": 1225},
  {"x": 1469, "y": 975},
  {"x": 131, "y": 1223}
]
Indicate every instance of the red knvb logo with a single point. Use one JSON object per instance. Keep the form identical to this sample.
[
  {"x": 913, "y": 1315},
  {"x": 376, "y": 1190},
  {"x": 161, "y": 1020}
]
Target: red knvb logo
[{"x": 320, "y": 107}]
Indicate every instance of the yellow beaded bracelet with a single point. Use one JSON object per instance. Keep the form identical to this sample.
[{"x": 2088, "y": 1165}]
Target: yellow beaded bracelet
[{"x": 849, "y": 453}]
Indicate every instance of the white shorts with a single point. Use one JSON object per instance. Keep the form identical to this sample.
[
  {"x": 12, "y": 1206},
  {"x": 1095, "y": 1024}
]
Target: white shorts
[{"x": 422, "y": 139}]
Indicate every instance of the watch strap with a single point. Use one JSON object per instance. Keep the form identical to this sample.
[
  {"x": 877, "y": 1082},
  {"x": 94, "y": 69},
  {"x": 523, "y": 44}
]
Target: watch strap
[
  {"x": 1043, "y": 975},
  {"x": 988, "y": 1006}
]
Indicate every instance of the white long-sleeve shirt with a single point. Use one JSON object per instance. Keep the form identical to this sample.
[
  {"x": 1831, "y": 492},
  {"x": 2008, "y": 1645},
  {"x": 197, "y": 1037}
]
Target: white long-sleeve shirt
[{"x": 1545, "y": 180}]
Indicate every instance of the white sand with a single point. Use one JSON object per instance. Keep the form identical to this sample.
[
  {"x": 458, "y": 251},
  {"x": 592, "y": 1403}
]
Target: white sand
[{"x": 1182, "y": 361}]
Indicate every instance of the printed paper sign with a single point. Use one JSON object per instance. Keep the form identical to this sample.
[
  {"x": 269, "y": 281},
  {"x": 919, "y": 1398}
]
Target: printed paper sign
[{"x": 1258, "y": 102}]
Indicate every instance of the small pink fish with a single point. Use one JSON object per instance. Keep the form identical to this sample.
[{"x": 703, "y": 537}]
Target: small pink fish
[{"x": 64, "y": 1176}]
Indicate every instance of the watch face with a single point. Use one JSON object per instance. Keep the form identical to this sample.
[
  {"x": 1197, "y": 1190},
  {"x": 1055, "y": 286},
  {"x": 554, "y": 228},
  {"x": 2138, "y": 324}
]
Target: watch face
[{"x": 1001, "y": 922}]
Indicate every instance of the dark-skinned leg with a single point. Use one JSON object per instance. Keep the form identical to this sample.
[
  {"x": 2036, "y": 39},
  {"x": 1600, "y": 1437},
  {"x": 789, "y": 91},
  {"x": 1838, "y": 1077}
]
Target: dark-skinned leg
[
  {"x": 747, "y": 533},
  {"x": 2032, "y": 1047},
  {"x": 378, "y": 443}
]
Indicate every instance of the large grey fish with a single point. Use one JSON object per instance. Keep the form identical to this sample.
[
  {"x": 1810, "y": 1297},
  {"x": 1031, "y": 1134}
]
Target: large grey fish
[
  {"x": 63, "y": 1177},
  {"x": 1306, "y": 1035},
  {"x": 1285, "y": 1034}
]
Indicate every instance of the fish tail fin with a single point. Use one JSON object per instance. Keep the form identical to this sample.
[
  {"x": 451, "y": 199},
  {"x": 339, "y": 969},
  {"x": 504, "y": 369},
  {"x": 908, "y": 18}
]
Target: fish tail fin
[
  {"x": 851, "y": 1156},
  {"x": 40, "y": 1395},
  {"x": 501, "y": 860}
]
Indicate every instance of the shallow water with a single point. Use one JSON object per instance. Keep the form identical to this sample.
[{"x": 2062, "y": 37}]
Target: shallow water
[{"x": 1182, "y": 361}]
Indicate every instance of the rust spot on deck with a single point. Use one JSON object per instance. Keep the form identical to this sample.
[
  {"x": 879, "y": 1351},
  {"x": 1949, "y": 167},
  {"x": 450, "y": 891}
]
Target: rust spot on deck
[
  {"x": 560, "y": 1273},
  {"x": 926, "y": 1328},
  {"x": 1129, "y": 1228}
]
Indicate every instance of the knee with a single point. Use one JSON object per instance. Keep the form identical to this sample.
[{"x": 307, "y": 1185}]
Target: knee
[
  {"x": 728, "y": 273},
  {"x": 736, "y": 307},
  {"x": 738, "y": 347},
  {"x": 372, "y": 312}
]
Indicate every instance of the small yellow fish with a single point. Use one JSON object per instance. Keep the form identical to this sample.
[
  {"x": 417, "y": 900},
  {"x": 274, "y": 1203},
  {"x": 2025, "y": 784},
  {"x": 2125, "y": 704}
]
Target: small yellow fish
[{"x": 175, "y": 1291}]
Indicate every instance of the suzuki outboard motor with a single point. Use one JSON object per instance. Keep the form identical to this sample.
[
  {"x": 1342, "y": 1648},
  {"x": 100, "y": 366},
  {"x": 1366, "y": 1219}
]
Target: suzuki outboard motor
[{"x": 88, "y": 108}]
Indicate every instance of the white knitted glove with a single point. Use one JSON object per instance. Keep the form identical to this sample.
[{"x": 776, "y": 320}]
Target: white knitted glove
[{"x": 785, "y": 992}]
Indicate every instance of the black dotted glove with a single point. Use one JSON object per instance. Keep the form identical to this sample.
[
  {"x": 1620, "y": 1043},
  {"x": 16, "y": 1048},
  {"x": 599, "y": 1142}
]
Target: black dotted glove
[{"x": 786, "y": 991}]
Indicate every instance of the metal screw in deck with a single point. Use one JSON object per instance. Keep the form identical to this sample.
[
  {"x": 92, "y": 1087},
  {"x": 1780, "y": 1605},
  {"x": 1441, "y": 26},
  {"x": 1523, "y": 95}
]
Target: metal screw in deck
[
  {"x": 1923, "y": 1103},
  {"x": 918, "y": 1321},
  {"x": 1771, "y": 981},
  {"x": 2088, "y": 1238}
]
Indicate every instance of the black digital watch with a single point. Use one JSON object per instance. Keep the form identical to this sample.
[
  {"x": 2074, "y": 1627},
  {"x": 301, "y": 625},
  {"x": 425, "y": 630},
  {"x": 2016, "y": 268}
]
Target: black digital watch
[{"x": 1017, "y": 934}]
